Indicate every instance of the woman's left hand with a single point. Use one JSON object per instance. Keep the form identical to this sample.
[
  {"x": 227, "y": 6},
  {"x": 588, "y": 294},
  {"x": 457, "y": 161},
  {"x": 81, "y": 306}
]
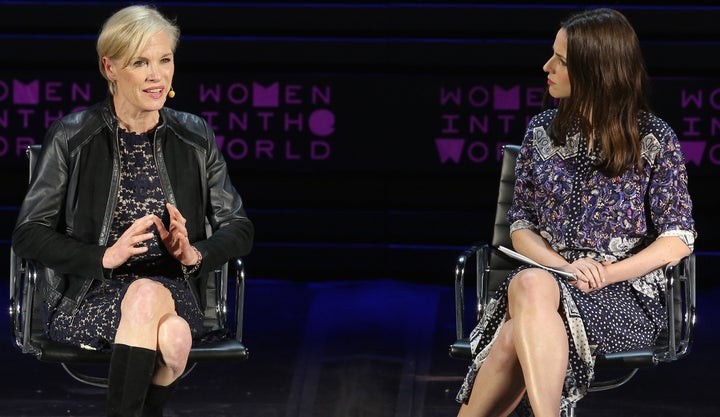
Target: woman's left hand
[
  {"x": 176, "y": 238},
  {"x": 591, "y": 274}
]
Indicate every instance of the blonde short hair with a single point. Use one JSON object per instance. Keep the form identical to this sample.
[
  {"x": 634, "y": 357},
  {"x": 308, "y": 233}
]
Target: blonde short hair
[{"x": 127, "y": 31}]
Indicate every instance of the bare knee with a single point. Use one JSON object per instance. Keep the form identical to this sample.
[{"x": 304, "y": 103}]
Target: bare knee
[
  {"x": 174, "y": 343},
  {"x": 533, "y": 289},
  {"x": 146, "y": 301}
]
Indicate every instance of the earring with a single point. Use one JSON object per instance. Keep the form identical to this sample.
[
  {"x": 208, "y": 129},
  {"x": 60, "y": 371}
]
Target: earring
[{"x": 171, "y": 93}]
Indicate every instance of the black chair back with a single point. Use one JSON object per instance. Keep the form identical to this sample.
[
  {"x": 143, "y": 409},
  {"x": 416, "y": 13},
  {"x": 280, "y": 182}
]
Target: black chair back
[{"x": 501, "y": 265}]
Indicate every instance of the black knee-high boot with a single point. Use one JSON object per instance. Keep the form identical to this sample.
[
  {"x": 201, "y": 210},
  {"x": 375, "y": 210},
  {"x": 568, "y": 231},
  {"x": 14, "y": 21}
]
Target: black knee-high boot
[
  {"x": 157, "y": 396},
  {"x": 131, "y": 370}
]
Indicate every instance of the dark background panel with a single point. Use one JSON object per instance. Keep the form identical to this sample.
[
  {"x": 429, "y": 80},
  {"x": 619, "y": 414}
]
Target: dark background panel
[
  {"x": 383, "y": 195},
  {"x": 383, "y": 206}
]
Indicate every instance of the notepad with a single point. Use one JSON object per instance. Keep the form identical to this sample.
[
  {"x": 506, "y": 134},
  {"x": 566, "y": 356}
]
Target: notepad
[{"x": 522, "y": 258}]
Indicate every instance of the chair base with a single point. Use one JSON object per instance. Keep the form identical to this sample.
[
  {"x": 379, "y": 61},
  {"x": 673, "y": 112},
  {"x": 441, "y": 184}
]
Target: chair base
[
  {"x": 52, "y": 351},
  {"x": 69, "y": 356}
]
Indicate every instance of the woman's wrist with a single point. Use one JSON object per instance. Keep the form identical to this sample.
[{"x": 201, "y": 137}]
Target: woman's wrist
[{"x": 191, "y": 269}]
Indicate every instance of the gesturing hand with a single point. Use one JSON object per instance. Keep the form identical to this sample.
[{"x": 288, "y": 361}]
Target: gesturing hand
[
  {"x": 126, "y": 245},
  {"x": 176, "y": 237}
]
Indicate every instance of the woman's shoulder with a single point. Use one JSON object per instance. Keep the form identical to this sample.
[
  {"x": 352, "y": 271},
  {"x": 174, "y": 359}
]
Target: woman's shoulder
[
  {"x": 651, "y": 123},
  {"x": 656, "y": 135},
  {"x": 83, "y": 116},
  {"x": 186, "y": 125},
  {"x": 543, "y": 118},
  {"x": 78, "y": 127},
  {"x": 174, "y": 116}
]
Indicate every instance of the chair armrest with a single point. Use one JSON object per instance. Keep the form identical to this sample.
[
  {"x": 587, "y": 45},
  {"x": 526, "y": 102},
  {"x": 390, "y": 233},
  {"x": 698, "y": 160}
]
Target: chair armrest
[
  {"x": 239, "y": 268},
  {"x": 233, "y": 270},
  {"x": 640, "y": 358},
  {"x": 461, "y": 349},
  {"x": 480, "y": 251},
  {"x": 23, "y": 280},
  {"x": 680, "y": 293}
]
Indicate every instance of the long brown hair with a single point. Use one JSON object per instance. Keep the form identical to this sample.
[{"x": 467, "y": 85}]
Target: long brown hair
[{"x": 608, "y": 87}]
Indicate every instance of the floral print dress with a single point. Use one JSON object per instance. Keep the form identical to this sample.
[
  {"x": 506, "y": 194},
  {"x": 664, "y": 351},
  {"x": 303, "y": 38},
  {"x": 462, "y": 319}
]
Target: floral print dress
[{"x": 581, "y": 212}]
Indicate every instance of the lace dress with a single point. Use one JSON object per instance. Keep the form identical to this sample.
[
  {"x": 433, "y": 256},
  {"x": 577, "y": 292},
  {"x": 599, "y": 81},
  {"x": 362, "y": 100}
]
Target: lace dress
[{"x": 94, "y": 325}]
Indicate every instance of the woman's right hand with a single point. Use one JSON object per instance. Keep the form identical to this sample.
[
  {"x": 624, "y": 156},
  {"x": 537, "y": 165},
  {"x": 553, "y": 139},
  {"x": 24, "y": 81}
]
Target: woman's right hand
[
  {"x": 127, "y": 245},
  {"x": 591, "y": 274}
]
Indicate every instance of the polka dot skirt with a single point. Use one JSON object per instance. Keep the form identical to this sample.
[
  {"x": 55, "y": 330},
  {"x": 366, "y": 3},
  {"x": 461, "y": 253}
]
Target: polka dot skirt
[{"x": 613, "y": 319}]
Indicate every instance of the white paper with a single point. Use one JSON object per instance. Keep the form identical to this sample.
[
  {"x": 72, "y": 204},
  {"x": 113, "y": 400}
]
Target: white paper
[{"x": 522, "y": 258}]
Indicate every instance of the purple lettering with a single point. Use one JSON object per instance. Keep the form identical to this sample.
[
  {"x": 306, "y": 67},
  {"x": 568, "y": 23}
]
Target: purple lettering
[
  {"x": 77, "y": 91},
  {"x": 713, "y": 100},
  {"x": 534, "y": 96},
  {"x": 236, "y": 121},
  {"x": 506, "y": 118},
  {"x": 478, "y": 152},
  {"x": 319, "y": 150},
  {"x": 4, "y": 91},
  {"x": 319, "y": 95},
  {"x": 291, "y": 94},
  {"x": 691, "y": 126},
  {"x": 454, "y": 96},
  {"x": 264, "y": 146},
  {"x": 265, "y": 116},
  {"x": 713, "y": 154},
  {"x": 51, "y": 93},
  {"x": 714, "y": 126},
  {"x": 210, "y": 117},
  {"x": 450, "y": 119},
  {"x": 478, "y": 96},
  {"x": 25, "y": 113},
  {"x": 242, "y": 95},
  {"x": 237, "y": 148},
  {"x": 297, "y": 122},
  {"x": 478, "y": 124},
  {"x": 209, "y": 93},
  {"x": 288, "y": 151},
  {"x": 686, "y": 98}
]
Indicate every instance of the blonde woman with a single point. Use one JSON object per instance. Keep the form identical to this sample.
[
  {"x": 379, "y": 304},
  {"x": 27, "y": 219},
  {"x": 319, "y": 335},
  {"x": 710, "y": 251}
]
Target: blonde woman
[{"x": 117, "y": 210}]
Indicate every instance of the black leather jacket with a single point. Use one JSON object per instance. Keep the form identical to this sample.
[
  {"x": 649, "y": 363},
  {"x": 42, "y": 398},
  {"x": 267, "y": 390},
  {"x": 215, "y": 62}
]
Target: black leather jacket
[{"x": 65, "y": 219}]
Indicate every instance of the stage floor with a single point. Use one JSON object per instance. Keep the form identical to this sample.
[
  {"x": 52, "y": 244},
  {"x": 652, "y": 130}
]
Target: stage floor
[{"x": 356, "y": 349}]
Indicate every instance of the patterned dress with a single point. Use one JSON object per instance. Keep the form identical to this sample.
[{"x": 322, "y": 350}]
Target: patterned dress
[
  {"x": 583, "y": 213},
  {"x": 140, "y": 193}
]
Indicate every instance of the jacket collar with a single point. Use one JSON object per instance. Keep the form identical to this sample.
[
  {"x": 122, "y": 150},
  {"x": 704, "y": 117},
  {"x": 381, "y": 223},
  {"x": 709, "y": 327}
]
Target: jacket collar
[{"x": 110, "y": 118}]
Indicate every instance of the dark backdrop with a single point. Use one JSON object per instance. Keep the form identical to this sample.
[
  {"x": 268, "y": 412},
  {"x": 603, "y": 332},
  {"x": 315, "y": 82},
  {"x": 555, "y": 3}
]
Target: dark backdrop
[{"x": 363, "y": 136}]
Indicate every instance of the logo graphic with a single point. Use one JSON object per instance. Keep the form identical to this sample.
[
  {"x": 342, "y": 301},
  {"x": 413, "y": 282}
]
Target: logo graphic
[
  {"x": 26, "y": 94},
  {"x": 266, "y": 96},
  {"x": 450, "y": 149},
  {"x": 475, "y": 118},
  {"x": 322, "y": 122},
  {"x": 270, "y": 120},
  {"x": 506, "y": 99},
  {"x": 693, "y": 151}
]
